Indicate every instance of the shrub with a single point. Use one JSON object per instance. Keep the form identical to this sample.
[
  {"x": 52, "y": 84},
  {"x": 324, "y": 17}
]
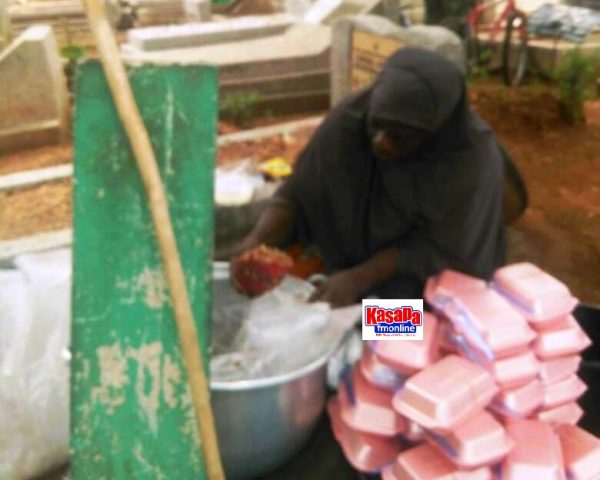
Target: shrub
[
  {"x": 240, "y": 107},
  {"x": 576, "y": 77}
]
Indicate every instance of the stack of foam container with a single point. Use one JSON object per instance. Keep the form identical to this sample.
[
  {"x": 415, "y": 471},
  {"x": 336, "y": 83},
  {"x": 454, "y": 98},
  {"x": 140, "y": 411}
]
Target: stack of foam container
[
  {"x": 489, "y": 393},
  {"x": 547, "y": 305}
]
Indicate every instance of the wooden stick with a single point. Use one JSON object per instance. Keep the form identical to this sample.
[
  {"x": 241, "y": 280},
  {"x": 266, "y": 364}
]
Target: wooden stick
[{"x": 146, "y": 161}]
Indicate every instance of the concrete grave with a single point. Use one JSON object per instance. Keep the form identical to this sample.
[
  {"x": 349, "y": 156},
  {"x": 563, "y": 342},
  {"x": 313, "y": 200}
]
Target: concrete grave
[
  {"x": 412, "y": 10},
  {"x": 290, "y": 70},
  {"x": 328, "y": 12},
  {"x": 362, "y": 43},
  {"x": 33, "y": 92},
  {"x": 196, "y": 10},
  {"x": 4, "y": 24},
  {"x": 200, "y": 34}
]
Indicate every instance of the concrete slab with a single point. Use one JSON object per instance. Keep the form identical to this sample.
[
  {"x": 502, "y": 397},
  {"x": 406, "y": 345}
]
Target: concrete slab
[
  {"x": 5, "y": 30},
  {"x": 379, "y": 29},
  {"x": 33, "y": 91},
  {"x": 299, "y": 46},
  {"x": 35, "y": 177},
  {"x": 196, "y": 10},
  {"x": 264, "y": 132},
  {"x": 200, "y": 34},
  {"x": 297, "y": 8},
  {"x": 288, "y": 70},
  {"x": 328, "y": 12},
  {"x": 321, "y": 9},
  {"x": 412, "y": 10}
]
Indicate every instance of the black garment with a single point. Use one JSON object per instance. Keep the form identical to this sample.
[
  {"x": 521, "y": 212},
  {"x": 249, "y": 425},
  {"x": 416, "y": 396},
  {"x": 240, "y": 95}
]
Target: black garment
[{"x": 442, "y": 208}]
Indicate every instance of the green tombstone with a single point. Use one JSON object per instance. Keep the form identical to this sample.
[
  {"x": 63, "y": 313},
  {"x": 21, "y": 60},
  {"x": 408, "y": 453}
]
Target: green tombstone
[{"x": 131, "y": 412}]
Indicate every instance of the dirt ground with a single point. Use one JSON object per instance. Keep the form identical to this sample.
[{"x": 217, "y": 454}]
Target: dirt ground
[
  {"x": 560, "y": 163},
  {"x": 35, "y": 158}
]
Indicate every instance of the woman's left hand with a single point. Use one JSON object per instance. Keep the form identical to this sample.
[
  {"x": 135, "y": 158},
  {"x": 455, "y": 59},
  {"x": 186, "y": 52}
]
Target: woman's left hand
[{"x": 340, "y": 289}]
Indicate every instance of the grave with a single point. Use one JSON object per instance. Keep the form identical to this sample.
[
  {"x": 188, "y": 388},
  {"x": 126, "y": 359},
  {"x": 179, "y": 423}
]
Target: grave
[
  {"x": 202, "y": 34},
  {"x": 290, "y": 70},
  {"x": 362, "y": 43},
  {"x": 33, "y": 91},
  {"x": 4, "y": 24}
]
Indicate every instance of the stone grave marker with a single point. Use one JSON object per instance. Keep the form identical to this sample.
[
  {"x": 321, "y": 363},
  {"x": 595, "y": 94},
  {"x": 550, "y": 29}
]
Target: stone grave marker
[
  {"x": 33, "y": 91},
  {"x": 361, "y": 44}
]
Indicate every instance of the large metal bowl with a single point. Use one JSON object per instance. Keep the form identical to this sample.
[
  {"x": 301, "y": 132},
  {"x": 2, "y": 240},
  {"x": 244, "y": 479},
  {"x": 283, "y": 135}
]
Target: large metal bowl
[{"x": 263, "y": 423}]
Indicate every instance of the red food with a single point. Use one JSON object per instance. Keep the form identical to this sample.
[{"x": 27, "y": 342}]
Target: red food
[{"x": 259, "y": 270}]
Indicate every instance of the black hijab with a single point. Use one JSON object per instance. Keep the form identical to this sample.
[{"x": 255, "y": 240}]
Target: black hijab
[{"x": 442, "y": 208}]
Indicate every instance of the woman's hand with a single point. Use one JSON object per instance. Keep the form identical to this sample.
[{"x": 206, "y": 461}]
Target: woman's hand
[
  {"x": 347, "y": 286},
  {"x": 341, "y": 289}
]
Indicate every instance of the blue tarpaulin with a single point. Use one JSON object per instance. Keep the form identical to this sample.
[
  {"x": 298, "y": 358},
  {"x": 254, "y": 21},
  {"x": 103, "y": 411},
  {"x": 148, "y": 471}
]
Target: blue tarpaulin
[{"x": 563, "y": 21}]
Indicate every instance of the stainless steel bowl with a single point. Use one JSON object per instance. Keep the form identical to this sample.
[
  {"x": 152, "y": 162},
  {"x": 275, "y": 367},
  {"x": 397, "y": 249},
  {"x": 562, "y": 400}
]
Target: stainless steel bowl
[{"x": 263, "y": 423}]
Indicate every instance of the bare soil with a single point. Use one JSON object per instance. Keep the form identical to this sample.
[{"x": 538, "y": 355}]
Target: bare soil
[{"x": 560, "y": 163}]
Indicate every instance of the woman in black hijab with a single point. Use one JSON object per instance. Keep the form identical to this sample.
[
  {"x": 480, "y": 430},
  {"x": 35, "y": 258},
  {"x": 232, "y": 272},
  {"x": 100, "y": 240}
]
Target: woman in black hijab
[{"x": 401, "y": 181}]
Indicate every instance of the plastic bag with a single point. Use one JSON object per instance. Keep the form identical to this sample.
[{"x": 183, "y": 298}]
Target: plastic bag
[
  {"x": 237, "y": 185},
  {"x": 279, "y": 332},
  {"x": 34, "y": 370}
]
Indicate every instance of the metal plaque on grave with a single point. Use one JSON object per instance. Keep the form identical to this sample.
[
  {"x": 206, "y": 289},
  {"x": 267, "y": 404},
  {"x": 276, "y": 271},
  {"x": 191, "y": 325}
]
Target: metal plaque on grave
[{"x": 369, "y": 52}]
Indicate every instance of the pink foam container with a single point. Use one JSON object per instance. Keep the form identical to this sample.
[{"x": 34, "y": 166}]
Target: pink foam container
[
  {"x": 569, "y": 413},
  {"x": 368, "y": 409},
  {"x": 519, "y": 402},
  {"x": 564, "y": 338},
  {"x": 378, "y": 373},
  {"x": 425, "y": 463},
  {"x": 555, "y": 369},
  {"x": 515, "y": 371},
  {"x": 536, "y": 455},
  {"x": 366, "y": 453},
  {"x": 581, "y": 451},
  {"x": 447, "y": 336},
  {"x": 490, "y": 323},
  {"x": 445, "y": 286},
  {"x": 414, "y": 432},
  {"x": 563, "y": 391},
  {"x": 508, "y": 372},
  {"x": 445, "y": 394},
  {"x": 410, "y": 357},
  {"x": 539, "y": 295},
  {"x": 480, "y": 440}
]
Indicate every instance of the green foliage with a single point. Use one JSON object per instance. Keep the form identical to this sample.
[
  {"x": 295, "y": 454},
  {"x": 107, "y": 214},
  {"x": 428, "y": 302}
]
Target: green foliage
[
  {"x": 576, "y": 77},
  {"x": 479, "y": 64},
  {"x": 240, "y": 107},
  {"x": 72, "y": 53}
]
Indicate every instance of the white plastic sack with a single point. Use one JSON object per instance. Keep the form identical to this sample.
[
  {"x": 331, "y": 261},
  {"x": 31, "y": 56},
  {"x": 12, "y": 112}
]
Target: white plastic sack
[
  {"x": 237, "y": 186},
  {"x": 34, "y": 370}
]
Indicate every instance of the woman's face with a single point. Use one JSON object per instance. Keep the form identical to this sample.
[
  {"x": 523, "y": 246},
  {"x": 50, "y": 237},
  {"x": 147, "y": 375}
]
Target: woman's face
[
  {"x": 393, "y": 146},
  {"x": 385, "y": 147}
]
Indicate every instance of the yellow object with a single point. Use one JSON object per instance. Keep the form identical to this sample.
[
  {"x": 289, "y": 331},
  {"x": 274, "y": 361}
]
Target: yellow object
[{"x": 276, "y": 167}]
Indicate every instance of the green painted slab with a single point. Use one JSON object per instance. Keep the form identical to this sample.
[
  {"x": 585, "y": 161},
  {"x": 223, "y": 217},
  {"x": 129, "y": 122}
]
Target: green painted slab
[{"x": 131, "y": 415}]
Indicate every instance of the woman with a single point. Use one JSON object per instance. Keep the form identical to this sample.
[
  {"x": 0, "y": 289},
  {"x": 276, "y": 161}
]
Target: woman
[{"x": 401, "y": 181}]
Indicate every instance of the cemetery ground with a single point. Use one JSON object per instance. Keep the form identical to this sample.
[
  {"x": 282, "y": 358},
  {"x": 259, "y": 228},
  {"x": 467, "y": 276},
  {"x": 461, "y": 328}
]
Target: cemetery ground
[{"x": 560, "y": 231}]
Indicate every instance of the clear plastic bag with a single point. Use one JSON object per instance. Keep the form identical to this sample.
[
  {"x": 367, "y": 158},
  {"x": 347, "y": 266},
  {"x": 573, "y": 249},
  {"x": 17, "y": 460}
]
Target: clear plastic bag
[{"x": 279, "y": 332}]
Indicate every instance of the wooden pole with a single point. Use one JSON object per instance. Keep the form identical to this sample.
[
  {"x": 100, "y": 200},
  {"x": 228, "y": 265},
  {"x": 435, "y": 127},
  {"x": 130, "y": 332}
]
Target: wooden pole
[{"x": 140, "y": 142}]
